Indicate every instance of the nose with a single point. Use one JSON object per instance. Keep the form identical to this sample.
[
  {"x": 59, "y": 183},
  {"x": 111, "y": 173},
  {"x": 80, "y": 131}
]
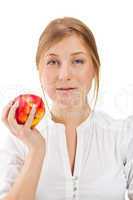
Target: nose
[{"x": 65, "y": 71}]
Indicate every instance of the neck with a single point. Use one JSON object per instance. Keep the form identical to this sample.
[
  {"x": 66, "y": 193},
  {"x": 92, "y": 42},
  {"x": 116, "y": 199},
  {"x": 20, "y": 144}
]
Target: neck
[{"x": 70, "y": 118}]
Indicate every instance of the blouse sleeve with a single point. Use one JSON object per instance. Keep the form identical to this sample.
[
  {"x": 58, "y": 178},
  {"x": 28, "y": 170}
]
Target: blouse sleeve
[
  {"x": 12, "y": 156},
  {"x": 127, "y": 147}
]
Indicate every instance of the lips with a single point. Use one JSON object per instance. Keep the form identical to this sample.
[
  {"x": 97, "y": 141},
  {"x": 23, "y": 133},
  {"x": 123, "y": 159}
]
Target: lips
[{"x": 65, "y": 88}]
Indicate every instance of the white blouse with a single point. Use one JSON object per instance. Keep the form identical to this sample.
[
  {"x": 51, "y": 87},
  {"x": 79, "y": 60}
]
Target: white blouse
[{"x": 103, "y": 167}]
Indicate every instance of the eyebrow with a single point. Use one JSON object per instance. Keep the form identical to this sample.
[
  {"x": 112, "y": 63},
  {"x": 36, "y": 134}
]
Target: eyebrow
[{"x": 75, "y": 53}]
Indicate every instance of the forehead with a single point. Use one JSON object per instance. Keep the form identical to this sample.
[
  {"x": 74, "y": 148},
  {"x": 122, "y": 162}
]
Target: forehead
[{"x": 73, "y": 45}]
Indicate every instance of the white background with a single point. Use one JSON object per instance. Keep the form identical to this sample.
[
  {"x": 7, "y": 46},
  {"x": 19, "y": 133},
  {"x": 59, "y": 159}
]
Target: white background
[{"x": 22, "y": 22}]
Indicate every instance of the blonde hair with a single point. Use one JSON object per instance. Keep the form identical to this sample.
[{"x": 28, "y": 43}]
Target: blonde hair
[{"x": 60, "y": 28}]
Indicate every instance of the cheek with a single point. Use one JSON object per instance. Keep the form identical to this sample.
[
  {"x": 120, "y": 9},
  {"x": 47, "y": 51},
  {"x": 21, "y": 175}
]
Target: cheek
[
  {"x": 48, "y": 78},
  {"x": 51, "y": 92},
  {"x": 48, "y": 82},
  {"x": 86, "y": 79}
]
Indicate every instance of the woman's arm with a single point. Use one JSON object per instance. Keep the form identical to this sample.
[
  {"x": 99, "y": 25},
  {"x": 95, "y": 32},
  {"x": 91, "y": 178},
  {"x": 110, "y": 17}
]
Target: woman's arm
[{"x": 26, "y": 183}]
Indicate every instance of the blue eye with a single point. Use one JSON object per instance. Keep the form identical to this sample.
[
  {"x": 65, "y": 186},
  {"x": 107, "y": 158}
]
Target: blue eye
[
  {"x": 79, "y": 61},
  {"x": 52, "y": 61}
]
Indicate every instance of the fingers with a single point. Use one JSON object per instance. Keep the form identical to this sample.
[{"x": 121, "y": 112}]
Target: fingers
[
  {"x": 8, "y": 117},
  {"x": 6, "y": 111},
  {"x": 28, "y": 122},
  {"x": 11, "y": 117}
]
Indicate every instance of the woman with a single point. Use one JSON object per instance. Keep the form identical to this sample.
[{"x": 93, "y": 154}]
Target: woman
[{"x": 79, "y": 153}]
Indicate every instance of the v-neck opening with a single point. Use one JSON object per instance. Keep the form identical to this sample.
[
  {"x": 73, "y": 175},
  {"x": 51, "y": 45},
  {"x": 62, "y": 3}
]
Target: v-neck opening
[
  {"x": 64, "y": 149},
  {"x": 72, "y": 171}
]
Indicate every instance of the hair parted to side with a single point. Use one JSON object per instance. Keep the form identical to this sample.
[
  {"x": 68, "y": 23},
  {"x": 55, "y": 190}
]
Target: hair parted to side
[{"x": 60, "y": 28}]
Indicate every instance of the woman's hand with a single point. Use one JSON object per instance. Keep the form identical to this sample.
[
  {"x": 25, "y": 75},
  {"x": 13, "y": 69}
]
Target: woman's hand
[{"x": 31, "y": 137}]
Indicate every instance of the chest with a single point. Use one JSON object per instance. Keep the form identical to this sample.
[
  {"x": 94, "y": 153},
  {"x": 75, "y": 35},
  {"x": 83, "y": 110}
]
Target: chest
[{"x": 100, "y": 170}]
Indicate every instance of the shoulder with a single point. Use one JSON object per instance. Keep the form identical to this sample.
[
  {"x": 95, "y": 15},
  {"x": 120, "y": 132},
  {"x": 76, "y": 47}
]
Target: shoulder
[
  {"x": 106, "y": 121},
  {"x": 122, "y": 129}
]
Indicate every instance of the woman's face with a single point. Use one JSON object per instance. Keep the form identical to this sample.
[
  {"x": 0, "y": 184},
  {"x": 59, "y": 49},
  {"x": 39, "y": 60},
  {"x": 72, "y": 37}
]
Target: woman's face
[{"x": 67, "y": 64}]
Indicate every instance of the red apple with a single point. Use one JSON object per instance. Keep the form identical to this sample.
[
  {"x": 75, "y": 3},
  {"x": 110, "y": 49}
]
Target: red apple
[{"x": 26, "y": 102}]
